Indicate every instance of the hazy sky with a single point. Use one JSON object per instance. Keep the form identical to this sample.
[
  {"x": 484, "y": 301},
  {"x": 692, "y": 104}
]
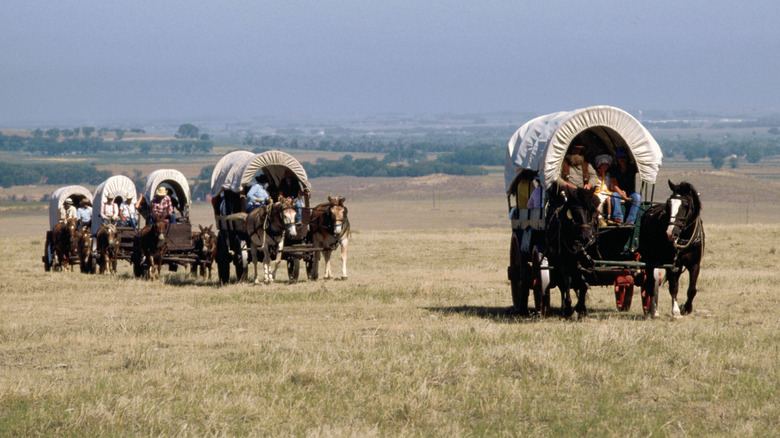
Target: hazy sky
[{"x": 90, "y": 61}]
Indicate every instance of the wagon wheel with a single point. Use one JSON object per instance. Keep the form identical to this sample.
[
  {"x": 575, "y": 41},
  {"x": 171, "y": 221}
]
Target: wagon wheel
[
  {"x": 541, "y": 282},
  {"x": 241, "y": 261},
  {"x": 293, "y": 268},
  {"x": 223, "y": 258},
  {"x": 624, "y": 292},
  {"x": 313, "y": 266},
  {"x": 519, "y": 274},
  {"x": 48, "y": 254}
]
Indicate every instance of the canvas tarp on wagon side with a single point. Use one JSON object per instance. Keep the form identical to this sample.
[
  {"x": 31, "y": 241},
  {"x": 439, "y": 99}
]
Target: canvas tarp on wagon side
[
  {"x": 541, "y": 144},
  {"x": 175, "y": 179},
  {"x": 222, "y": 171},
  {"x": 117, "y": 185},
  {"x": 59, "y": 196}
]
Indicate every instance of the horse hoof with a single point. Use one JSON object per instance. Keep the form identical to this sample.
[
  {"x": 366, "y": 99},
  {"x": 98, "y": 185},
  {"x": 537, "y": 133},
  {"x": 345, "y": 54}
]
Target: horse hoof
[{"x": 343, "y": 277}]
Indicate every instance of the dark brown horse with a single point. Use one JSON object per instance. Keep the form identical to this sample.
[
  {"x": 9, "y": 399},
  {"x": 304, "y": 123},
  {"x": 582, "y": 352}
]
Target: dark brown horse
[
  {"x": 266, "y": 228},
  {"x": 206, "y": 250},
  {"x": 84, "y": 250},
  {"x": 673, "y": 234},
  {"x": 571, "y": 239},
  {"x": 107, "y": 246},
  {"x": 153, "y": 245},
  {"x": 64, "y": 242},
  {"x": 329, "y": 228}
]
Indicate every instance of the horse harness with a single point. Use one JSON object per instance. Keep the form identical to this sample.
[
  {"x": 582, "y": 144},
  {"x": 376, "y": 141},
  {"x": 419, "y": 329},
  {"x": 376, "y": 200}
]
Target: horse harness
[
  {"x": 270, "y": 228},
  {"x": 330, "y": 222},
  {"x": 562, "y": 243}
]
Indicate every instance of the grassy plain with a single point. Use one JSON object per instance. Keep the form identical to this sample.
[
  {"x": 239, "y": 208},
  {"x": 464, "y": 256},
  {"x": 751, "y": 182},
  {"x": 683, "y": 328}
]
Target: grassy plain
[{"x": 418, "y": 341}]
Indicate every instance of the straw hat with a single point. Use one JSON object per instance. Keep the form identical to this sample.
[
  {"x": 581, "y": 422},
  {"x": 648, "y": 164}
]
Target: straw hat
[{"x": 161, "y": 191}]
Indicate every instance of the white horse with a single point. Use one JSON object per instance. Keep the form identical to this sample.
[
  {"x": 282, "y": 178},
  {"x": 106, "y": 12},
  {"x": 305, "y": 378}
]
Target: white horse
[
  {"x": 329, "y": 229},
  {"x": 267, "y": 228}
]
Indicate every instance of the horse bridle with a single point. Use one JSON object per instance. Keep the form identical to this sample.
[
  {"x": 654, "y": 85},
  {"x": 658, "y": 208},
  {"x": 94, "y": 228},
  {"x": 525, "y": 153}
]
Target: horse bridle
[
  {"x": 273, "y": 228},
  {"x": 577, "y": 247},
  {"x": 679, "y": 244},
  {"x": 334, "y": 222}
]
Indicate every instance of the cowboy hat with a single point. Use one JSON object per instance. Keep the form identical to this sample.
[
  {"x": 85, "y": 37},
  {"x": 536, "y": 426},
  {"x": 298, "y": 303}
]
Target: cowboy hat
[
  {"x": 69, "y": 201},
  {"x": 129, "y": 195},
  {"x": 161, "y": 191}
]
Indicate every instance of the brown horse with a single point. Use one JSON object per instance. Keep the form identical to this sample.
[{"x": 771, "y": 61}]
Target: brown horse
[
  {"x": 266, "y": 228},
  {"x": 107, "y": 246},
  {"x": 329, "y": 228},
  {"x": 84, "y": 250},
  {"x": 673, "y": 234},
  {"x": 63, "y": 239},
  {"x": 206, "y": 250},
  {"x": 153, "y": 245}
]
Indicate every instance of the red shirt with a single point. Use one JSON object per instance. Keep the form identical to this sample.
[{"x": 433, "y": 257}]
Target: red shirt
[{"x": 162, "y": 206}]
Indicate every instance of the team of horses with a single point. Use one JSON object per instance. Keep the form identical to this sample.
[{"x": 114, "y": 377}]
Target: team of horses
[
  {"x": 268, "y": 226},
  {"x": 671, "y": 237}
]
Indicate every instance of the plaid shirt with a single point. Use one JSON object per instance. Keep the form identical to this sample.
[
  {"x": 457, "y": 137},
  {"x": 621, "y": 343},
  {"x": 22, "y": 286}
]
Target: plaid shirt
[{"x": 162, "y": 206}]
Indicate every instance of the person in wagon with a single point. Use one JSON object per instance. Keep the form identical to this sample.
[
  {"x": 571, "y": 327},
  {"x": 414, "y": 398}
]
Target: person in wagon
[
  {"x": 109, "y": 212},
  {"x": 257, "y": 196},
  {"x": 576, "y": 172},
  {"x": 603, "y": 185},
  {"x": 84, "y": 213},
  {"x": 535, "y": 200},
  {"x": 624, "y": 189},
  {"x": 68, "y": 211},
  {"x": 128, "y": 214},
  {"x": 291, "y": 188},
  {"x": 162, "y": 205}
]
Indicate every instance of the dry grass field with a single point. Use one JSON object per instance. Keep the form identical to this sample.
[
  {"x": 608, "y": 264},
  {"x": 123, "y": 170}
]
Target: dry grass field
[{"x": 417, "y": 342}]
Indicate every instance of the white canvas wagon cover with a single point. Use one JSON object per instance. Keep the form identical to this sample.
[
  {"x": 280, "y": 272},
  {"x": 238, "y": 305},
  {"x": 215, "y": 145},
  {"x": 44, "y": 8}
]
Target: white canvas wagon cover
[
  {"x": 541, "y": 144},
  {"x": 175, "y": 179},
  {"x": 225, "y": 168},
  {"x": 274, "y": 164},
  {"x": 117, "y": 185},
  {"x": 58, "y": 198}
]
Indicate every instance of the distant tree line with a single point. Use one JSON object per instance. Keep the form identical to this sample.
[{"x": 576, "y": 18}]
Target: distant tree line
[
  {"x": 348, "y": 165},
  {"x": 91, "y": 145},
  {"x": 15, "y": 174},
  {"x": 692, "y": 148},
  {"x": 421, "y": 141}
]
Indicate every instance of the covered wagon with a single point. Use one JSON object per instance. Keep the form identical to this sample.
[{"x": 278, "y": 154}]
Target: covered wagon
[
  {"x": 119, "y": 189},
  {"x": 75, "y": 194},
  {"x": 535, "y": 158},
  {"x": 230, "y": 180},
  {"x": 179, "y": 239}
]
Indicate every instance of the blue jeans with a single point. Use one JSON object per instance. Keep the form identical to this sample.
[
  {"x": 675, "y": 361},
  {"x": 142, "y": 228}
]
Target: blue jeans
[
  {"x": 298, "y": 210},
  {"x": 633, "y": 207}
]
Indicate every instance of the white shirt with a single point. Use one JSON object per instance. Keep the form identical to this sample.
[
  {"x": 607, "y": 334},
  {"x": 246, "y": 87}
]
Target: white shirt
[
  {"x": 129, "y": 211},
  {"x": 109, "y": 211}
]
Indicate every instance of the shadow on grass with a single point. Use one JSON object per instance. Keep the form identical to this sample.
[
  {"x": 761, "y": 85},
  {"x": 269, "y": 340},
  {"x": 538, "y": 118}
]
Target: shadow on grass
[
  {"x": 174, "y": 279},
  {"x": 509, "y": 315}
]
